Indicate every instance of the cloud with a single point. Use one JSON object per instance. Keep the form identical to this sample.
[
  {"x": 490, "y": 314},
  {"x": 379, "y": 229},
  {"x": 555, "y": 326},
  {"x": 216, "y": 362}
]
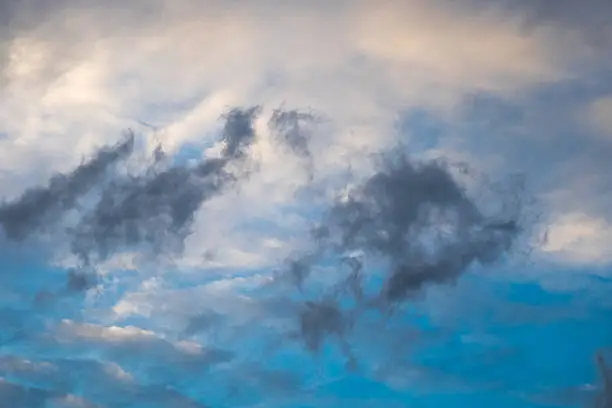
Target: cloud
[
  {"x": 215, "y": 205},
  {"x": 416, "y": 223},
  {"x": 437, "y": 57},
  {"x": 108, "y": 80},
  {"x": 591, "y": 20},
  {"x": 104, "y": 384},
  {"x": 290, "y": 128},
  {"x": 147, "y": 208},
  {"x": 39, "y": 206},
  {"x": 389, "y": 216},
  {"x": 24, "y": 396},
  {"x": 132, "y": 209},
  {"x": 580, "y": 239}
]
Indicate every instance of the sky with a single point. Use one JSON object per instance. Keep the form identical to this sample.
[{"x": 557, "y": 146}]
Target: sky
[{"x": 264, "y": 203}]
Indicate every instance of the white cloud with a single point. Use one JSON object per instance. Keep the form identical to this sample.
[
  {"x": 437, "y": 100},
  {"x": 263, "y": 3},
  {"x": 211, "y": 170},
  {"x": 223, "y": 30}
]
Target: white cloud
[
  {"x": 86, "y": 331},
  {"x": 358, "y": 64},
  {"x": 86, "y": 72},
  {"x": 70, "y": 401},
  {"x": 177, "y": 305},
  {"x": 463, "y": 50},
  {"x": 579, "y": 238}
]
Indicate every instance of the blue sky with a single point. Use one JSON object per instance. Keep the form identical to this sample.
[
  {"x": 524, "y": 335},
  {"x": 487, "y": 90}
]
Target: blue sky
[{"x": 202, "y": 278}]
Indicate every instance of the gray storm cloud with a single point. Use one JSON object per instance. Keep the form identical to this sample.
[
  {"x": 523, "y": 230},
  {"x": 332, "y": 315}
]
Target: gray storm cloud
[
  {"x": 417, "y": 221},
  {"x": 292, "y": 130},
  {"x": 153, "y": 209},
  {"x": 40, "y": 206},
  {"x": 158, "y": 207}
]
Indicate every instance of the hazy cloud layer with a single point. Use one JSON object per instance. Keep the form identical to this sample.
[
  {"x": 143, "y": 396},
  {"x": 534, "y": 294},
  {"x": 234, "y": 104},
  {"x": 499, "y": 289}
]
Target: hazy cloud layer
[{"x": 312, "y": 204}]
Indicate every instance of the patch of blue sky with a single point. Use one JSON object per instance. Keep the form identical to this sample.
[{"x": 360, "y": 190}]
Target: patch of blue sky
[
  {"x": 357, "y": 387},
  {"x": 28, "y": 274},
  {"x": 526, "y": 356},
  {"x": 511, "y": 356},
  {"x": 190, "y": 153},
  {"x": 493, "y": 398},
  {"x": 423, "y": 127},
  {"x": 272, "y": 226}
]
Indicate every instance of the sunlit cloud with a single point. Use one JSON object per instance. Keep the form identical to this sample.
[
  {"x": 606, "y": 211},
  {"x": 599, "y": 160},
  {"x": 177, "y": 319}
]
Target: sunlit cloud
[{"x": 261, "y": 204}]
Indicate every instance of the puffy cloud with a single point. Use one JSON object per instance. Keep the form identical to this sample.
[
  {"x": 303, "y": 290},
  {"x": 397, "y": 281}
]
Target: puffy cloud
[{"x": 132, "y": 71}]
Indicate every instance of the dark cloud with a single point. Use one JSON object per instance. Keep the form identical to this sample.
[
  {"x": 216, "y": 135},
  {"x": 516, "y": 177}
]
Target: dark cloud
[
  {"x": 80, "y": 281},
  {"x": 158, "y": 207},
  {"x": 40, "y": 206},
  {"x": 239, "y": 133},
  {"x": 112, "y": 211},
  {"x": 292, "y": 129},
  {"x": 16, "y": 395},
  {"x": 318, "y": 319},
  {"x": 419, "y": 220},
  {"x": 131, "y": 209},
  {"x": 604, "y": 399},
  {"x": 419, "y": 224},
  {"x": 297, "y": 269},
  {"x": 202, "y": 322}
]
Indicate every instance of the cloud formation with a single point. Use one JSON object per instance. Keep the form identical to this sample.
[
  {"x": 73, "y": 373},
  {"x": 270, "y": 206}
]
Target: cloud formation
[
  {"x": 150, "y": 207},
  {"x": 417, "y": 223},
  {"x": 260, "y": 239},
  {"x": 39, "y": 206}
]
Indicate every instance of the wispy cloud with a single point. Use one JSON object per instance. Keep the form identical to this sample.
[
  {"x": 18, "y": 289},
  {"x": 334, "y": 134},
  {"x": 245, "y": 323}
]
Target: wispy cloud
[{"x": 318, "y": 203}]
